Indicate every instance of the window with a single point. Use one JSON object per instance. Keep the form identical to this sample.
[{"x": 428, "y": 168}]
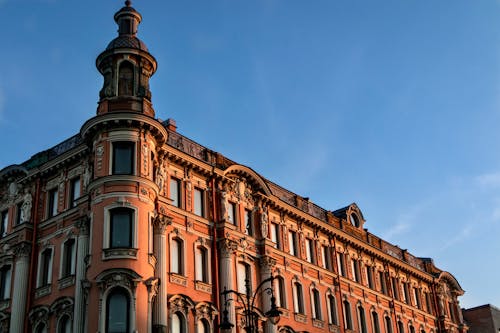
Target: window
[
  {"x": 175, "y": 192},
  {"x": 347, "y": 315},
  {"x": 388, "y": 324},
  {"x": 5, "y": 276},
  {"x": 177, "y": 256},
  {"x": 199, "y": 202},
  {"x": 362, "y": 320},
  {"x": 64, "y": 325},
  {"x": 203, "y": 326},
  {"x": 451, "y": 310},
  {"x": 428, "y": 302},
  {"x": 4, "y": 223},
  {"x": 416, "y": 297},
  {"x": 19, "y": 213},
  {"x": 354, "y": 220},
  {"x": 123, "y": 158},
  {"x": 298, "y": 298},
  {"x": 75, "y": 191},
  {"x": 369, "y": 276},
  {"x": 412, "y": 329},
  {"x": 41, "y": 328},
  {"x": 244, "y": 275},
  {"x": 52, "y": 208},
  {"x": 332, "y": 310},
  {"x": 117, "y": 311},
  {"x": 126, "y": 78},
  {"x": 326, "y": 258},
  {"x": 376, "y": 323},
  {"x": 248, "y": 223},
  {"x": 68, "y": 258},
  {"x": 383, "y": 282},
  {"x": 201, "y": 264},
  {"x": 279, "y": 289},
  {"x": 178, "y": 323},
  {"x": 310, "y": 257},
  {"x": 316, "y": 305},
  {"x": 406, "y": 293},
  {"x": 395, "y": 287},
  {"x": 292, "y": 243},
  {"x": 356, "y": 275},
  {"x": 121, "y": 228},
  {"x": 341, "y": 263},
  {"x": 275, "y": 235},
  {"x": 231, "y": 214},
  {"x": 401, "y": 327},
  {"x": 45, "y": 268}
]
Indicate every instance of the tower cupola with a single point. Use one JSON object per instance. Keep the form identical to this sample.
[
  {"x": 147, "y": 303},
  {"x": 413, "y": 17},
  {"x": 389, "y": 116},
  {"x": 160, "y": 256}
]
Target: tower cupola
[{"x": 127, "y": 66}]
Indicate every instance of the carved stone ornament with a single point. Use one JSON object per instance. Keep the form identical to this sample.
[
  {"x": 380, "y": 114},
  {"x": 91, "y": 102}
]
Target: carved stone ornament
[
  {"x": 26, "y": 207},
  {"x": 39, "y": 315},
  {"x": 99, "y": 150},
  {"x": 264, "y": 226},
  {"x": 227, "y": 247},
  {"x": 205, "y": 310},
  {"x": 13, "y": 191},
  {"x": 121, "y": 279},
  {"x": 224, "y": 206},
  {"x": 180, "y": 303},
  {"x": 267, "y": 263},
  {"x": 83, "y": 225},
  {"x": 160, "y": 223},
  {"x": 152, "y": 284},
  {"x": 161, "y": 176},
  {"x": 63, "y": 306},
  {"x": 22, "y": 250},
  {"x": 87, "y": 175}
]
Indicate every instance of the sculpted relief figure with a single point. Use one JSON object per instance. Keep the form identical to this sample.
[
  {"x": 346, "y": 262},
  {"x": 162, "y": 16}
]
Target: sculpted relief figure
[
  {"x": 87, "y": 175},
  {"x": 26, "y": 207},
  {"x": 224, "y": 206},
  {"x": 161, "y": 175},
  {"x": 264, "y": 228}
]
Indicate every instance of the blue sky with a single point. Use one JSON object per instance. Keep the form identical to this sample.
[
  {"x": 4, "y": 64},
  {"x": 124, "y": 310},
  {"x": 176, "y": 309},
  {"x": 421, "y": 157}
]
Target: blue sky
[{"x": 392, "y": 104}]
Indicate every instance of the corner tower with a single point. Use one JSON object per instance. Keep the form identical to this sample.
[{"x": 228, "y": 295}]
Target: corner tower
[{"x": 127, "y": 66}]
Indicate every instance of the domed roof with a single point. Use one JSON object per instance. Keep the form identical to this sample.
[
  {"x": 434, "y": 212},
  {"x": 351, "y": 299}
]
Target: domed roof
[{"x": 127, "y": 41}]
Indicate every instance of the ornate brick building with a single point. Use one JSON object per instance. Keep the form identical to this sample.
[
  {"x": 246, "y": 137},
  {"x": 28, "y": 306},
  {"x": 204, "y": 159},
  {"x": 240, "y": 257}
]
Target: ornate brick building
[{"x": 129, "y": 226}]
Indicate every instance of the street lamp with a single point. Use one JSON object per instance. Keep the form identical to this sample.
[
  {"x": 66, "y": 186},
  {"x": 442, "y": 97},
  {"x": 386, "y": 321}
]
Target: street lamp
[{"x": 249, "y": 307}]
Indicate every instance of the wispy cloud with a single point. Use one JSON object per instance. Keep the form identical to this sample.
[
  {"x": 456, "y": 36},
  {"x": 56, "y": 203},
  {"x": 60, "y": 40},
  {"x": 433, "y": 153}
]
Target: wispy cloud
[
  {"x": 397, "y": 229},
  {"x": 489, "y": 179},
  {"x": 464, "y": 233}
]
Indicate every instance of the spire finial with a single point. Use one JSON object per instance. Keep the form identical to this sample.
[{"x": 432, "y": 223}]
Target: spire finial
[{"x": 128, "y": 3}]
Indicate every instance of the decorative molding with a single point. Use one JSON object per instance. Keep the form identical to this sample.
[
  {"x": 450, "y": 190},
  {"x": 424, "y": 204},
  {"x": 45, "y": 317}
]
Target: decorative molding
[{"x": 119, "y": 253}]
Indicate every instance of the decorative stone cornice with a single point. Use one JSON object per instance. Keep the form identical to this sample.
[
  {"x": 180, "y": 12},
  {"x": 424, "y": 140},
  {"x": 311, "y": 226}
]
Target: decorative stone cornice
[
  {"x": 83, "y": 225},
  {"x": 267, "y": 262},
  {"x": 227, "y": 247},
  {"x": 160, "y": 223},
  {"x": 152, "y": 284}
]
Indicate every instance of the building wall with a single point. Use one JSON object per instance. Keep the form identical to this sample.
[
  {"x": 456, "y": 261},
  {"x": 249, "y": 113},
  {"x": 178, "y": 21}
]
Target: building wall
[{"x": 484, "y": 319}]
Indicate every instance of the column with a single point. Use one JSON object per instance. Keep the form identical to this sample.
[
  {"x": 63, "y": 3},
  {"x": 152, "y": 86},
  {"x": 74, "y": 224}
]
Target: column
[
  {"x": 266, "y": 270},
  {"x": 22, "y": 253},
  {"x": 81, "y": 254},
  {"x": 226, "y": 278},
  {"x": 160, "y": 250}
]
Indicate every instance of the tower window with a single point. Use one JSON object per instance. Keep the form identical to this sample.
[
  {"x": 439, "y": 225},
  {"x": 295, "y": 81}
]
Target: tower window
[
  {"x": 123, "y": 158},
  {"x": 117, "y": 311},
  {"x": 4, "y": 223},
  {"x": 126, "y": 79},
  {"x": 121, "y": 228}
]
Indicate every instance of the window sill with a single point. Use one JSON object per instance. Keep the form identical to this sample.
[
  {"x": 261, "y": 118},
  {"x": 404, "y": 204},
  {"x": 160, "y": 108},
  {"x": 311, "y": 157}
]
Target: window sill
[
  {"x": 300, "y": 317},
  {"x": 66, "y": 281},
  {"x": 203, "y": 286},
  {"x": 178, "y": 279},
  {"x": 333, "y": 328},
  {"x": 119, "y": 253},
  {"x": 285, "y": 313},
  {"x": 318, "y": 323},
  {"x": 42, "y": 291}
]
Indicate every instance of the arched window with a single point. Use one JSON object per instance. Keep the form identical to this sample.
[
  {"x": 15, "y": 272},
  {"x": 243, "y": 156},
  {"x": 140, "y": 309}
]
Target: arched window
[
  {"x": 64, "y": 325},
  {"x": 45, "y": 268},
  {"x": 117, "y": 311},
  {"x": 401, "y": 327},
  {"x": 120, "y": 228},
  {"x": 178, "y": 323},
  {"x": 126, "y": 79},
  {"x": 5, "y": 282},
  {"x": 375, "y": 322},
  {"x": 279, "y": 292},
  {"x": 388, "y": 324},
  {"x": 41, "y": 328},
  {"x": 347, "y": 315},
  {"x": 298, "y": 298},
  {"x": 412, "y": 329},
  {"x": 177, "y": 256},
  {"x": 201, "y": 258},
  {"x": 244, "y": 274},
  {"x": 362, "y": 319},
  {"x": 332, "y": 310},
  {"x": 316, "y": 304},
  {"x": 203, "y": 326}
]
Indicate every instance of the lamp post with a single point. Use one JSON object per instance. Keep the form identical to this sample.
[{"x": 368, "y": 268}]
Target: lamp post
[{"x": 248, "y": 301}]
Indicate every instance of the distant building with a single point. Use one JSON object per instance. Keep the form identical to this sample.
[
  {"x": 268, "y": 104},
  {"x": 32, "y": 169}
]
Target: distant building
[
  {"x": 482, "y": 319},
  {"x": 129, "y": 226}
]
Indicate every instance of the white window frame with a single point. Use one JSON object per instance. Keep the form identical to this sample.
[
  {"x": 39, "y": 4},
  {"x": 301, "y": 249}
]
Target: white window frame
[
  {"x": 107, "y": 224},
  {"x": 182, "y": 269},
  {"x": 39, "y": 268},
  {"x": 62, "y": 257}
]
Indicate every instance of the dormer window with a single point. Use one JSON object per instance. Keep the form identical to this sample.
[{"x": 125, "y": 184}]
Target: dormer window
[{"x": 354, "y": 220}]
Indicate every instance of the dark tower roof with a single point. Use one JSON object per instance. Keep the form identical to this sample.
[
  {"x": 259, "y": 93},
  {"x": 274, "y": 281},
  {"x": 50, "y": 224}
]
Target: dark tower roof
[{"x": 128, "y": 19}]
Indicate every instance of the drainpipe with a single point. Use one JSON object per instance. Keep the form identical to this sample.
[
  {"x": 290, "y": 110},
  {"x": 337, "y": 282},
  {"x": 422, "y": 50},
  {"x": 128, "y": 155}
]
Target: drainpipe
[{"x": 215, "y": 266}]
